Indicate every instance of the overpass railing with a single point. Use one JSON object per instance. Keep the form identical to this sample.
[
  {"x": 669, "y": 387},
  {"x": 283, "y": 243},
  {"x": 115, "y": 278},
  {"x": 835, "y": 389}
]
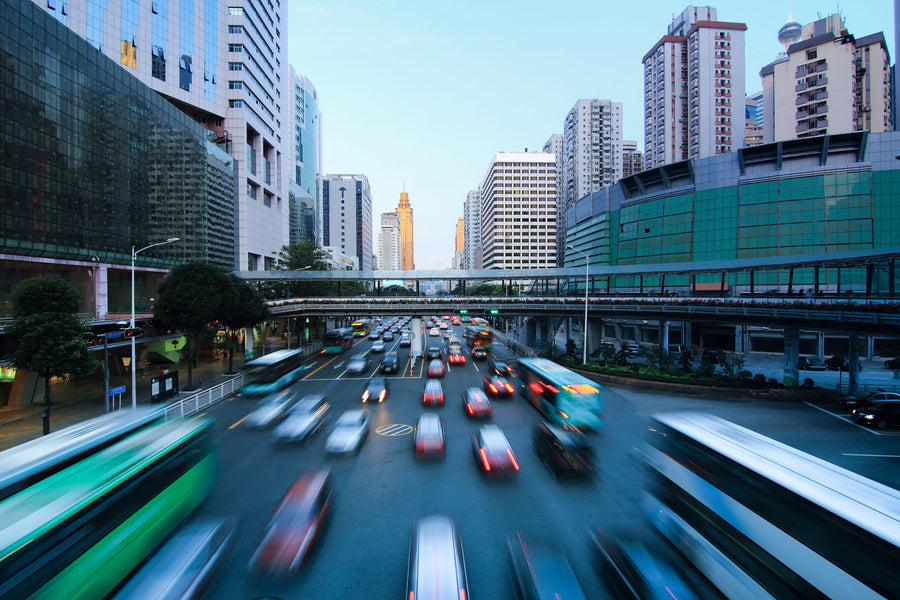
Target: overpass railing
[{"x": 203, "y": 399}]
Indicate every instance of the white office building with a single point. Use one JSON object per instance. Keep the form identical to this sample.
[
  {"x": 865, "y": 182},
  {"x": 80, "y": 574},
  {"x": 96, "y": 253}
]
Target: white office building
[
  {"x": 389, "y": 242},
  {"x": 347, "y": 217},
  {"x": 518, "y": 211},
  {"x": 591, "y": 148},
  {"x": 472, "y": 231}
]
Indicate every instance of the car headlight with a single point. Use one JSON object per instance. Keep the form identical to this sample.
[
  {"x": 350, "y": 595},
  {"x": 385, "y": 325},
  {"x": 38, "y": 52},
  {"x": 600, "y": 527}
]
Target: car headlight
[{"x": 869, "y": 417}]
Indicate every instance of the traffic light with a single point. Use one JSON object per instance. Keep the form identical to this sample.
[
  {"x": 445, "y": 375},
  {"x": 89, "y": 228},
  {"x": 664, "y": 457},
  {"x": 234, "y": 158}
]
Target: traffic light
[
  {"x": 133, "y": 332},
  {"x": 463, "y": 311},
  {"x": 495, "y": 311}
]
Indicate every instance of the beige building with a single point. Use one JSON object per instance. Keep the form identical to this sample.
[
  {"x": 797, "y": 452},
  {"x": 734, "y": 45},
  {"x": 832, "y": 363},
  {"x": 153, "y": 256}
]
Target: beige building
[
  {"x": 827, "y": 82},
  {"x": 405, "y": 213},
  {"x": 460, "y": 245}
]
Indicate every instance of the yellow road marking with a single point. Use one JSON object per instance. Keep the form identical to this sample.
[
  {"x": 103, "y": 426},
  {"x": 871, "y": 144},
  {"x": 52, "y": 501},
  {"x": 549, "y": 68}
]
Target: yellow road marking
[{"x": 241, "y": 421}]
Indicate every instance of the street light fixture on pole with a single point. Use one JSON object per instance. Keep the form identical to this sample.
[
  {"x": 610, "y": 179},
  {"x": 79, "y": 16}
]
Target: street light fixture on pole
[
  {"x": 134, "y": 254},
  {"x": 586, "y": 264}
]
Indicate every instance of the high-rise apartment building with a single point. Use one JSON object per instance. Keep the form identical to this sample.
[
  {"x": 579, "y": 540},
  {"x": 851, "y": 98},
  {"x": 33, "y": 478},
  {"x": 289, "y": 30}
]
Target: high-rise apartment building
[
  {"x": 225, "y": 65},
  {"x": 459, "y": 243},
  {"x": 405, "y": 212},
  {"x": 347, "y": 216},
  {"x": 632, "y": 158},
  {"x": 304, "y": 143},
  {"x": 753, "y": 130},
  {"x": 389, "y": 242},
  {"x": 518, "y": 211},
  {"x": 472, "y": 233},
  {"x": 827, "y": 81},
  {"x": 554, "y": 145},
  {"x": 694, "y": 89},
  {"x": 592, "y": 148}
]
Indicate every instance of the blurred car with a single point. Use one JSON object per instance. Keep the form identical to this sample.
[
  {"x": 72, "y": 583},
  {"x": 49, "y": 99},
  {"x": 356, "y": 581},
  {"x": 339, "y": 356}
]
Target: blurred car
[
  {"x": 497, "y": 386},
  {"x": 541, "y": 572},
  {"x": 709, "y": 356},
  {"x": 563, "y": 451},
  {"x": 456, "y": 357},
  {"x": 434, "y": 332},
  {"x": 304, "y": 420},
  {"x": 376, "y": 390},
  {"x": 437, "y": 567},
  {"x": 840, "y": 363},
  {"x": 492, "y": 452},
  {"x": 390, "y": 363},
  {"x": 185, "y": 566},
  {"x": 631, "y": 571},
  {"x": 388, "y": 336},
  {"x": 295, "y": 525},
  {"x": 349, "y": 431},
  {"x": 455, "y": 320},
  {"x": 810, "y": 363},
  {"x": 434, "y": 393},
  {"x": 498, "y": 367},
  {"x": 632, "y": 349},
  {"x": 476, "y": 404},
  {"x": 405, "y": 342},
  {"x": 881, "y": 415},
  {"x": 442, "y": 325},
  {"x": 433, "y": 352},
  {"x": 479, "y": 353},
  {"x": 377, "y": 346},
  {"x": 850, "y": 402},
  {"x": 358, "y": 363},
  {"x": 272, "y": 408},
  {"x": 436, "y": 368},
  {"x": 428, "y": 441},
  {"x": 374, "y": 334}
]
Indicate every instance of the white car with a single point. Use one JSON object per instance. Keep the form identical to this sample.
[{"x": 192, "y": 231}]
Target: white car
[
  {"x": 358, "y": 363},
  {"x": 377, "y": 346},
  {"x": 349, "y": 432},
  {"x": 271, "y": 409},
  {"x": 306, "y": 418}
]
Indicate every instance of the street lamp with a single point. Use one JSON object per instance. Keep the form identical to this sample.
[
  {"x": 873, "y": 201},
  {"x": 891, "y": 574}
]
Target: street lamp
[
  {"x": 134, "y": 254},
  {"x": 287, "y": 294},
  {"x": 586, "y": 264}
]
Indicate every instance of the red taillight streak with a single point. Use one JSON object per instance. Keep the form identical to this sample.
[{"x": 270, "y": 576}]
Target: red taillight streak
[
  {"x": 484, "y": 460},
  {"x": 462, "y": 594},
  {"x": 513, "y": 459},
  {"x": 509, "y": 388},
  {"x": 469, "y": 408},
  {"x": 412, "y": 596},
  {"x": 493, "y": 387}
]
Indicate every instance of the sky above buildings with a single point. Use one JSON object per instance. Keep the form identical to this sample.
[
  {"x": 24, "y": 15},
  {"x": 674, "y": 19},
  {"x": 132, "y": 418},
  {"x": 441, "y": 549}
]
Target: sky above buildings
[{"x": 421, "y": 95}]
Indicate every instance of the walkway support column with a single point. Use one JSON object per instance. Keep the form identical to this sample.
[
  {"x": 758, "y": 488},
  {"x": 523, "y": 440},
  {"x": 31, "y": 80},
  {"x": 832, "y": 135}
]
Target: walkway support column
[
  {"x": 853, "y": 374},
  {"x": 791, "y": 355},
  {"x": 664, "y": 338}
]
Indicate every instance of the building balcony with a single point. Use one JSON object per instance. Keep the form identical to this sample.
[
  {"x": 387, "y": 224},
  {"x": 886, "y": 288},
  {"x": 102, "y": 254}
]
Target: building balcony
[
  {"x": 817, "y": 82},
  {"x": 800, "y": 86}
]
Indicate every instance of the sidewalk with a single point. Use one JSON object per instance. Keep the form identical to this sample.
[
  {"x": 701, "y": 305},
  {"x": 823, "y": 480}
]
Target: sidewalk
[{"x": 80, "y": 399}]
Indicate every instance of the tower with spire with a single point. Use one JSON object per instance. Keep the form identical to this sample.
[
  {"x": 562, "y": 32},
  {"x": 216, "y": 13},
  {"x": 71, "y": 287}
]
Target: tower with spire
[{"x": 405, "y": 212}]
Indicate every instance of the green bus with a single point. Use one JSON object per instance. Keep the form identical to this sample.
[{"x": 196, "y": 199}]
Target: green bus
[
  {"x": 78, "y": 533},
  {"x": 563, "y": 397},
  {"x": 272, "y": 372},
  {"x": 337, "y": 340}
]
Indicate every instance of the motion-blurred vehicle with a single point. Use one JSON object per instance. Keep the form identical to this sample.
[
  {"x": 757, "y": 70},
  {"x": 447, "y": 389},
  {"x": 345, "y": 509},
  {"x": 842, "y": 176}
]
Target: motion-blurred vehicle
[
  {"x": 437, "y": 567},
  {"x": 493, "y": 453},
  {"x": 349, "y": 431},
  {"x": 497, "y": 386},
  {"x": 390, "y": 363},
  {"x": 185, "y": 566},
  {"x": 433, "y": 394},
  {"x": 433, "y": 352},
  {"x": 563, "y": 451},
  {"x": 456, "y": 357},
  {"x": 476, "y": 404},
  {"x": 498, "y": 367},
  {"x": 436, "y": 368},
  {"x": 294, "y": 526},
  {"x": 377, "y": 346},
  {"x": 479, "y": 353},
  {"x": 272, "y": 408},
  {"x": 631, "y": 571},
  {"x": 434, "y": 332},
  {"x": 375, "y": 334},
  {"x": 428, "y": 441},
  {"x": 840, "y": 363},
  {"x": 358, "y": 363},
  {"x": 541, "y": 572},
  {"x": 405, "y": 342},
  {"x": 304, "y": 420},
  {"x": 810, "y": 363},
  {"x": 388, "y": 336},
  {"x": 376, "y": 390},
  {"x": 850, "y": 402},
  {"x": 880, "y": 415}
]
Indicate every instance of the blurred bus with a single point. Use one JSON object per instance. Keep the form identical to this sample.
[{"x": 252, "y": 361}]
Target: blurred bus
[
  {"x": 563, "y": 397},
  {"x": 479, "y": 322},
  {"x": 337, "y": 340},
  {"x": 477, "y": 336},
  {"x": 763, "y": 520},
  {"x": 272, "y": 372},
  {"x": 362, "y": 327},
  {"x": 81, "y": 531},
  {"x": 28, "y": 463}
]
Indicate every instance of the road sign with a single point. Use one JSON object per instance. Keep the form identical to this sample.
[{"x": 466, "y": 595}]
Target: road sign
[
  {"x": 111, "y": 335},
  {"x": 117, "y": 390}
]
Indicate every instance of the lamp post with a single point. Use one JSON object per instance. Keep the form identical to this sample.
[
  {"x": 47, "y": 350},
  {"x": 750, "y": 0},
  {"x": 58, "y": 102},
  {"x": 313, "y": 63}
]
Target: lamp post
[
  {"x": 134, "y": 254},
  {"x": 287, "y": 294},
  {"x": 586, "y": 264}
]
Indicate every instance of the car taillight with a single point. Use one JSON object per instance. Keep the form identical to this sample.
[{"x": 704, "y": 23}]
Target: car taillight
[
  {"x": 562, "y": 414},
  {"x": 493, "y": 387},
  {"x": 509, "y": 388},
  {"x": 513, "y": 459},
  {"x": 484, "y": 460},
  {"x": 469, "y": 408}
]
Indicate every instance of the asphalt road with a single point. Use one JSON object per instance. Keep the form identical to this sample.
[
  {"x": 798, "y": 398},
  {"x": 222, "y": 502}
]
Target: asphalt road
[{"x": 364, "y": 550}]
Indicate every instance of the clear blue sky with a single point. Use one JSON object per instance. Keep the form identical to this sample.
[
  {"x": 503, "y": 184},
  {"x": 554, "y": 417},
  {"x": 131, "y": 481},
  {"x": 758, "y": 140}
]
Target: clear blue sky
[{"x": 423, "y": 94}]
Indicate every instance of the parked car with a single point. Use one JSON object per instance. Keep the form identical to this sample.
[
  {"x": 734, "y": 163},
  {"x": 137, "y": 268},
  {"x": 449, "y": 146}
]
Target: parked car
[
  {"x": 839, "y": 363},
  {"x": 541, "y": 571},
  {"x": 376, "y": 390},
  {"x": 390, "y": 363},
  {"x": 632, "y": 349},
  {"x": 880, "y": 415},
  {"x": 271, "y": 409},
  {"x": 892, "y": 363},
  {"x": 304, "y": 420},
  {"x": 563, "y": 451},
  {"x": 710, "y": 356},
  {"x": 810, "y": 363},
  {"x": 437, "y": 567},
  {"x": 867, "y": 399},
  {"x": 428, "y": 441},
  {"x": 351, "y": 429}
]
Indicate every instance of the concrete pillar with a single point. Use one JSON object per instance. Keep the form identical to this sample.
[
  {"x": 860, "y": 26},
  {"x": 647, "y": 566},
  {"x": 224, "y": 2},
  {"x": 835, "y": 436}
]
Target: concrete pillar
[
  {"x": 853, "y": 374},
  {"x": 664, "y": 337},
  {"x": 594, "y": 336},
  {"x": 686, "y": 335},
  {"x": 820, "y": 344},
  {"x": 101, "y": 292},
  {"x": 530, "y": 336},
  {"x": 791, "y": 355}
]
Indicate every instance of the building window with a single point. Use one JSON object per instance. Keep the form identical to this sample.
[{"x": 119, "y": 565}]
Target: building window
[
  {"x": 235, "y": 85},
  {"x": 235, "y": 48},
  {"x": 235, "y": 103},
  {"x": 235, "y": 29},
  {"x": 235, "y": 66},
  {"x": 235, "y": 11}
]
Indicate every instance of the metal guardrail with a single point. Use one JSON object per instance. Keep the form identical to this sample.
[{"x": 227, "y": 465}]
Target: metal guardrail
[{"x": 204, "y": 398}]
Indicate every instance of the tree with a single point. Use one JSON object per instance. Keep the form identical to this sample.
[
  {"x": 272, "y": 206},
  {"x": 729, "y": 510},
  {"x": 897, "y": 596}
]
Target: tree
[
  {"x": 190, "y": 299},
  {"x": 246, "y": 309},
  {"x": 47, "y": 337},
  {"x": 305, "y": 256}
]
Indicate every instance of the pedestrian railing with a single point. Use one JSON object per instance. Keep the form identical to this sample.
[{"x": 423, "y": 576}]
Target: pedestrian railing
[{"x": 204, "y": 398}]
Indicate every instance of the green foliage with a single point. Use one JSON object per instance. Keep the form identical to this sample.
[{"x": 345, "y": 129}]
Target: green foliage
[
  {"x": 305, "y": 256},
  {"x": 570, "y": 347},
  {"x": 45, "y": 295}
]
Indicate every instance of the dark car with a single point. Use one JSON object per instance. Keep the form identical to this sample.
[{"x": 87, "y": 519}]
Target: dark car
[
  {"x": 376, "y": 390},
  {"x": 294, "y": 526},
  {"x": 388, "y": 336},
  {"x": 880, "y": 415},
  {"x": 631, "y": 571},
  {"x": 437, "y": 566},
  {"x": 405, "y": 341},
  {"x": 892, "y": 363},
  {"x": 497, "y": 386},
  {"x": 563, "y": 451},
  {"x": 710, "y": 356},
  {"x": 433, "y": 352},
  {"x": 493, "y": 453},
  {"x": 810, "y": 363},
  {"x": 850, "y": 402},
  {"x": 476, "y": 404},
  {"x": 390, "y": 363},
  {"x": 542, "y": 572},
  {"x": 840, "y": 363},
  {"x": 479, "y": 353},
  {"x": 498, "y": 367}
]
